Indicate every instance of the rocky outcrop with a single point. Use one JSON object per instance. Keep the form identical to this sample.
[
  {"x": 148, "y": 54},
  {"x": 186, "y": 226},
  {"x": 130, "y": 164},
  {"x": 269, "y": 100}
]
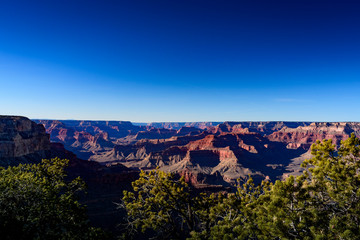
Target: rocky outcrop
[
  {"x": 263, "y": 128},
  {"x": 305, "y": 136},
  {"x": 114, "y": 129},
  {"x": 85, "y": 138},
  {"x": 20, "y": 138}
]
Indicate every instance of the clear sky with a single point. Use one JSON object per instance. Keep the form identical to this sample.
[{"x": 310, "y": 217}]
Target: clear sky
[{"x": 181, "y": 60}]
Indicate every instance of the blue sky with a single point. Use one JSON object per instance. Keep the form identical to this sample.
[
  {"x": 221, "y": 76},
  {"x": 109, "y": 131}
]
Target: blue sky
[{"x": 178, "y": 60}]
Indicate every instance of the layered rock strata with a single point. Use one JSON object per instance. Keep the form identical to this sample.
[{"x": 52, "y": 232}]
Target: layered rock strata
[{"x": 305, "y": 136}]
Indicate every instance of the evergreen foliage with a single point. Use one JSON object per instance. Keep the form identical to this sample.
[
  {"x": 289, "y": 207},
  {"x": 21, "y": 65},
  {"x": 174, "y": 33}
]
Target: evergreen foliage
[
  {"x": 37, "y": 202},
  {"x": 167, "y": 206}
]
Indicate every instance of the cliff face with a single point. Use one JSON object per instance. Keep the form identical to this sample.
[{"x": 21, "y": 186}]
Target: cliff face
[
  {"x": 114, "y": 129},
  {"x": 263, "y": 128},
  {"x": 305, "y": 136},
  {"x": 20, "y": 137}
]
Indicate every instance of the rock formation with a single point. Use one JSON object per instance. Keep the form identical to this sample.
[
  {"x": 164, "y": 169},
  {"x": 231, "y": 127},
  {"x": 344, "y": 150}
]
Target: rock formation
[
  {"x": 263, "y": 128},
  {"x": 21, "y": 140},
  {"x": 305, "y": 136}
]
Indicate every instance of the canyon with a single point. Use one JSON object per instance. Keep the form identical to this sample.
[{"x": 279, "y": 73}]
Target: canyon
[
  {"x": 208, "y": 153},
  {"x": 211, "y": 156}
]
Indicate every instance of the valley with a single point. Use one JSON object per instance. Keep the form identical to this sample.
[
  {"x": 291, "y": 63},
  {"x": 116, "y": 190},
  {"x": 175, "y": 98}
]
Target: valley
[{"x": 209, "y": 153}]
